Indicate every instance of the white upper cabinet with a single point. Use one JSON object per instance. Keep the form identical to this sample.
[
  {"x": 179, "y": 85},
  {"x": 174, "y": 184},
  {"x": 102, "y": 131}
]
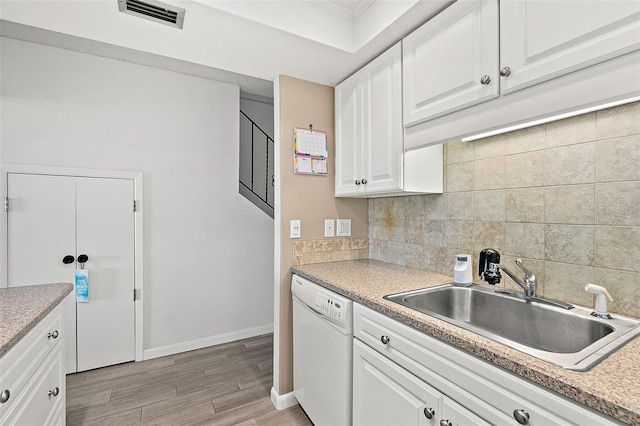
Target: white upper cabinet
[
  {"x": 541, "y": 40},
  {"x": 369, "y": 144},
  {"x": 451, "y": 62}
]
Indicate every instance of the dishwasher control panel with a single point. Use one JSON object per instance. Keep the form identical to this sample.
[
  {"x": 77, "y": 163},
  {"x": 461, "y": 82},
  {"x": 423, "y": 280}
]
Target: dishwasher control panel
[{"x": 330, "y": 306}]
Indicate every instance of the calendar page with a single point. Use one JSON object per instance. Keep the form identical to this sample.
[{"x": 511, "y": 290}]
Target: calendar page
[{"x": 311, "y": 143}]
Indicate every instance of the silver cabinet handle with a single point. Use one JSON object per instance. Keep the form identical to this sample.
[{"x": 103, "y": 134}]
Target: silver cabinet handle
[
  {"x": 385, "y": 339},
  {"x": 358, "y": 182},
  {"x": 53, "y": 335},
  {"x": 444, "y": 422},
  {"x": 364, "y": 181},
  {"x": 485, "y": 80},
  {"x": 4, "y": 396},
  {"x": 429, "y": 412},
  {"x": 521, "y": 416},
  {"x": 505, "y": 72},
  {"x": 54, "y": 392}
]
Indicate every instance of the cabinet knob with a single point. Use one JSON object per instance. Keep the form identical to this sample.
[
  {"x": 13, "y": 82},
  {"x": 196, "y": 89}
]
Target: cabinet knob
[
  {"x": 521, "y": 416},
  {"x": 505, "y": 72},
  {"x": 364, "y": 181},
  {"x": 429, "y": 412},
  {"x": 68, "y": 259},
  {"x": 485, "y": 80},
  {"x": 4, "y": 396},
  {"x": 53, "y": 335},
  {"x": 54, "y": 392},
  {"x": 444, "y": 422},
  {"x": 385, "y": 339},
  {"x": 358, "y": 182}
]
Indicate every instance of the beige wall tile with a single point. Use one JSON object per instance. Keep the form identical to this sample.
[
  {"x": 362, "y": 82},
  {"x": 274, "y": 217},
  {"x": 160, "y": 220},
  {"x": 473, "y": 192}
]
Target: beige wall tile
[
  {"x": 524, "y": 240},
  {"x": 489, "y": 206},
  {"x": 524, "y": 205},
  {"x": 488, "y": 234},
  {"x": 460, "y": 206},
  {"x": 617, "y": 203},
  {"x": 566, "y": 282},
  {"x": 413, "y": 207},
  {"x": 624, "y": 289},
  {"x": 568, "y": 165},
  {"x": 490, "y": 147},
  {"x": 413, "y": 232},
  {"x": 525, "y": 170},
  {"x": 529, "y": 139},
  {"x": 414, "y": 256},
  {"x": 618, "y": 247},
  {"x": 459, "y": 152},
  {"x": 619, "y": 121},
  {"x": 459, "y": 235},
  {"x": 489, "y": 174},
  {"x": 436, "y": 259},
  {"x": 572, "y": 244},
  {"x": 569, "y": 204},
  {"x": 618, "y": 159},
  {"x": 435, "y": 206},
  {"x": 434, "y": 233},
  {"x": 459, "y": 177},
  {"x": 581, "y": 128}
]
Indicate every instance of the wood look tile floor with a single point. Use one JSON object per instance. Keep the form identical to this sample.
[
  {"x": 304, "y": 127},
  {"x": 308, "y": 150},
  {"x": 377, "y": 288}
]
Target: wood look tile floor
[{"x": 228, "y": 384}]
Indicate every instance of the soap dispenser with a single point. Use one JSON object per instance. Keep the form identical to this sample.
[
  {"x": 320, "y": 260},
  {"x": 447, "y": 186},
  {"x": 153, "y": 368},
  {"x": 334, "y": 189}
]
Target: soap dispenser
[
  {"x": 462, "y": 270},
  {"x": 601, "y": 300}
]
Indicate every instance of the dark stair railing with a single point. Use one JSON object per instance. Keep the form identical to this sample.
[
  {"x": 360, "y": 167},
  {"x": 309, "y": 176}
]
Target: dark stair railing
[{"x": 258, "y": 186}]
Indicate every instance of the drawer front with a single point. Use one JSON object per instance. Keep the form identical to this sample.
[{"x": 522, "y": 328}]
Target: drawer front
[
  {"x": 43, "y": 396},
  {"x": 487, "y": 390},
  {"x": 21, "y": 362}
]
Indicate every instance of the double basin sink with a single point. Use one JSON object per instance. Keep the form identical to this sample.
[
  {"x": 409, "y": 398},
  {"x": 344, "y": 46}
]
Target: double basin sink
[{"x": 568, "y": 336}]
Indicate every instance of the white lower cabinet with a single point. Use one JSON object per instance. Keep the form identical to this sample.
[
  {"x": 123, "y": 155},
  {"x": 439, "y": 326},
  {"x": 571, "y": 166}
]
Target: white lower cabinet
[
  {"x": 386, "y": 394},
  {"x": 402, "y": 377},
  {"x": 32, "y": 378}
]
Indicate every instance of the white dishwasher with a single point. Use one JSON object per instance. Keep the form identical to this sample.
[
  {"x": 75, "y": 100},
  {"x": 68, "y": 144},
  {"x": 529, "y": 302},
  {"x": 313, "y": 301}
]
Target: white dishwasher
[{"x": 322, "y": 353}]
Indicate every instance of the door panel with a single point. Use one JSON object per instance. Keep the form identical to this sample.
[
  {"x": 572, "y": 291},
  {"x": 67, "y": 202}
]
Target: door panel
[{"x": 105, "y": 233}]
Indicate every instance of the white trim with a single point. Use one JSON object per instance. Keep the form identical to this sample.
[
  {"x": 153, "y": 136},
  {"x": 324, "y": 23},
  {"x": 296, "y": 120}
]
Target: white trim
[
  {"x": 276, "y": 236},
  {"x": 6, "y": 168},
  {"x": 282, "y": 402},
  {"x": 207, "y": 341}
]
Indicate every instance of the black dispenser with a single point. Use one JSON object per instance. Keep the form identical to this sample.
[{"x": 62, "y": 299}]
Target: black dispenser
[{"x": 486, "y": 266}]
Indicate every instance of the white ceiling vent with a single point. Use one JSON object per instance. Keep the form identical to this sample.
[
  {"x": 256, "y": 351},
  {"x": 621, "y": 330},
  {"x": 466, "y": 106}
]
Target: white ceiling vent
[{"x": 154, "y": 11}]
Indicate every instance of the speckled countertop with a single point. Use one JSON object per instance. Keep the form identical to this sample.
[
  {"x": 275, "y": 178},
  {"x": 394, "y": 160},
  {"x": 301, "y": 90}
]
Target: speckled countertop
[
  {"x": 21, "y": 308},
  {"x": 611, "y": 387}
]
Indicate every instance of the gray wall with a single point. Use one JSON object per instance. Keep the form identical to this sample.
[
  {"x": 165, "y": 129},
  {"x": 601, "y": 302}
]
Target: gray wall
[
  {"x": 208, "y": 252},
  {"x": 564, "y": 196}
]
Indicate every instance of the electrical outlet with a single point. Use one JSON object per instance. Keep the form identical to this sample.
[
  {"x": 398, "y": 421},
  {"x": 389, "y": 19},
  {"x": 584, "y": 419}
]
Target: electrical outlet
[
  {"x": 295, "y": 229},
  {"x": 344, "y": 228},
  {"x": 329, "y": 228}
]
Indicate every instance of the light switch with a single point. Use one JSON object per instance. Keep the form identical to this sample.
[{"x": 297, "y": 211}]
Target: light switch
[
  {"x": 329, "y": 228},
  {"x": 344, "y": 228},
  {"x": 295, "y": 229}
]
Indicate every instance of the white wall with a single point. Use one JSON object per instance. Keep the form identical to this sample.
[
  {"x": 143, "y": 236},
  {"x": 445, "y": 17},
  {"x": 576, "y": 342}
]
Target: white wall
[{"x": 208, "y": 255}]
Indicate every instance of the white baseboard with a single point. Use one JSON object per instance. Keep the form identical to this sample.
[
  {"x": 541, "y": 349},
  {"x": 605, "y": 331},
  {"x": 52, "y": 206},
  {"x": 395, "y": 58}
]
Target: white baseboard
[
  {"x": 207, "y": 341},
  {"x": 282, "y": 402}
]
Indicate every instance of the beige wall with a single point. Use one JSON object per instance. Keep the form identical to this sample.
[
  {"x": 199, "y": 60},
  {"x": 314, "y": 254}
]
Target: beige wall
[
  {"x": 564, "y": 196},
  {"x": 307, "y": 198}
]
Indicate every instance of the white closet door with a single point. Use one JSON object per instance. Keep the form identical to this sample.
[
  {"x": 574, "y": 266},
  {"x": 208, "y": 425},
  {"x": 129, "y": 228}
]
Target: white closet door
[
  {"x": 105, "y": 223},
  {"x": 41, "y": 231}
]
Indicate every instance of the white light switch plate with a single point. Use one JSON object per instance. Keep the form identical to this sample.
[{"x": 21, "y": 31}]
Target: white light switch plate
[
  {"x": 329, "y": 228},
  {"x": 343, "y": 228},
  {"x": 295, "y": 229}
]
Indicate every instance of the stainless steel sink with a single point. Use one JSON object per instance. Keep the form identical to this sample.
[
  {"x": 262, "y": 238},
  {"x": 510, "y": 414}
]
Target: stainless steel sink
[{"x": 570, "y": 338}]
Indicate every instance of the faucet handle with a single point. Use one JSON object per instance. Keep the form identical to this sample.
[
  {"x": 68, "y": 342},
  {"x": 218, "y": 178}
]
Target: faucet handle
[{"x": 527, "y": 273}]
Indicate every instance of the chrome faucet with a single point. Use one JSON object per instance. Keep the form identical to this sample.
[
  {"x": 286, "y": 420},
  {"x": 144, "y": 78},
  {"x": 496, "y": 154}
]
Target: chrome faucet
[{"x": 490, "y": 268}]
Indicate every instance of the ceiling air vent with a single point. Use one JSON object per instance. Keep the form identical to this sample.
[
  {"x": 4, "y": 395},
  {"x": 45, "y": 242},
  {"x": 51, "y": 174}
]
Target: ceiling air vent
[{"x": 154, "y": 11}]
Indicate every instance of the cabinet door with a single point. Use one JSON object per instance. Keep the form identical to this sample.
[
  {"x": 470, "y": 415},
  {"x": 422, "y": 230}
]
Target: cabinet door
[
  {"x": 382, "y": 122},
  {"x": 348, "y": 111},
  {"x": 455, "y": 414},
  {"x": 386, "y": 394},
  {"x": 537, "y": 44},
  {"x": 451, "y": 62}
]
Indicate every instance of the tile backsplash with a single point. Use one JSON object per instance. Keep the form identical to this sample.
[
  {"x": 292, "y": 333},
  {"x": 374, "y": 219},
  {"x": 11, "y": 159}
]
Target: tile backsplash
[
  {"x": 306, "y": 252},
  {"x": 563, "y": 196}
]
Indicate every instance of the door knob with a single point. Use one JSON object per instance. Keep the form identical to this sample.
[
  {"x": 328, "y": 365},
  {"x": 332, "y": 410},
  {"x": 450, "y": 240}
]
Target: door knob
[
  {"x": 68, "y": 259},
  {"x": 83, "y": 258}
]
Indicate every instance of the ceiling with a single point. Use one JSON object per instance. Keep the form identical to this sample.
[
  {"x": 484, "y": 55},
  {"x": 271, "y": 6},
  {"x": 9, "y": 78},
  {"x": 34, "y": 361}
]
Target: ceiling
[{"x": 243, "y": 42}]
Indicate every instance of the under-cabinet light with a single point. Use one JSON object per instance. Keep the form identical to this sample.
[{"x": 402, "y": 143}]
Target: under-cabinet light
[{"x": 548, "y": 119}]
